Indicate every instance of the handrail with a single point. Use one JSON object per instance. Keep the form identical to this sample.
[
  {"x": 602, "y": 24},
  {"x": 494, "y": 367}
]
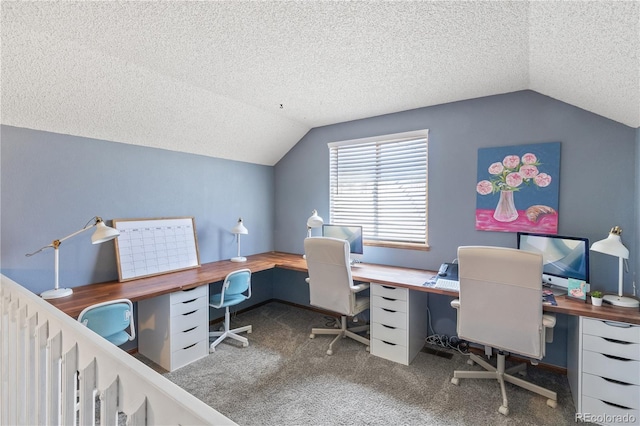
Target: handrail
[{"x": 56, "y": 371}]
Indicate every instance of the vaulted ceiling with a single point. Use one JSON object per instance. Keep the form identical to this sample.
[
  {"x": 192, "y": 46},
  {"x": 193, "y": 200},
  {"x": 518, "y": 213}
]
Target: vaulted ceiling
[{"x": 245, "y": 80}]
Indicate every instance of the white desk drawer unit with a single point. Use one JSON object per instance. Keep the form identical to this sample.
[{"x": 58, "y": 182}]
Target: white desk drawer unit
[
  {"x": 606, "y": 384},
  {"x": 173, "y": 329},
  {"x": 398, "y": 322}
]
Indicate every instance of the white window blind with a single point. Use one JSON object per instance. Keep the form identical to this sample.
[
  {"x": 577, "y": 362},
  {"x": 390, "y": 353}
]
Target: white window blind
[{"x": 381, "y": 184}]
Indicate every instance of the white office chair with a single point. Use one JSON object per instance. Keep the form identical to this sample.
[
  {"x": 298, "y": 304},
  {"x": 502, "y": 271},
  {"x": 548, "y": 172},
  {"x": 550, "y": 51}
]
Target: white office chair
[
  {"x": 110, "y": 320},
  {"x": 236, "y": 288},
  {"x": 500, "y": 306},
  {"x": 331, "y": 286}
]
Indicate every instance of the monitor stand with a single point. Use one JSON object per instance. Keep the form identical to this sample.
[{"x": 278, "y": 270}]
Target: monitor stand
[{"x": 557, "y": 291}]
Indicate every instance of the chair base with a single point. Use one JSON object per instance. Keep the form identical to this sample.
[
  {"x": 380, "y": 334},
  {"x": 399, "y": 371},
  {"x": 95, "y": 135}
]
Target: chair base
[
  {"x": 342, "y": 332},
  {"x": 232, "y": 333},
  {"x": 503, "y": 375}
]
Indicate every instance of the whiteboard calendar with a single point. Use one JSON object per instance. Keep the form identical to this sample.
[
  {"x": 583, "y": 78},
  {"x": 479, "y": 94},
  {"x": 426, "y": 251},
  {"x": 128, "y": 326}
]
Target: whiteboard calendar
[{"x": 155, "y": 246}]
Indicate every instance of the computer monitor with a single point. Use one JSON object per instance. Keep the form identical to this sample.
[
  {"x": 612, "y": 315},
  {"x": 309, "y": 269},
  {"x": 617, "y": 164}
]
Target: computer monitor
[
  {"x": 351, "y": 233},
  {"x": 562, "y": 257}
]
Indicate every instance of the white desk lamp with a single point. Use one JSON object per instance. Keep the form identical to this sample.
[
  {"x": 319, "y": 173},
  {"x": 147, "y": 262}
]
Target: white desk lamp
[
  {"x": 102, "y": 234},
  {"x": 314, "y": 221},
  {"x": 612, "y": 245},
  {"x": 238, "y": 230}
]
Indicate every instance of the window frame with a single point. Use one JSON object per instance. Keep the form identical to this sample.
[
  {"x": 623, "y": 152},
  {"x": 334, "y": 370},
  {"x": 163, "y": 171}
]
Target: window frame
[{"x": 422, "y": 134}]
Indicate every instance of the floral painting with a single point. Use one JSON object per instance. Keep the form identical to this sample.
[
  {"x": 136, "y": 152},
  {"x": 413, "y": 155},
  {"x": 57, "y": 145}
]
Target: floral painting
[{"x": 517, "y": 188}]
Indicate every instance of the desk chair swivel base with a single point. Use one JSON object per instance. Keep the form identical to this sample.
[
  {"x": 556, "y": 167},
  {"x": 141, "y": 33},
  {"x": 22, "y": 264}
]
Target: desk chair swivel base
[
  {"x": 342, "y": 332},
  {"x": 226, "y": 332},
  {"x": 503, "y": 375}
]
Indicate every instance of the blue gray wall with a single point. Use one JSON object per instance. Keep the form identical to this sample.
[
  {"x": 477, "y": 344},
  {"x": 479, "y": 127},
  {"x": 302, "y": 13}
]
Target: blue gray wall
[
  {"x": 52, "y": 184},
  {"x": 597, "y": 182}
]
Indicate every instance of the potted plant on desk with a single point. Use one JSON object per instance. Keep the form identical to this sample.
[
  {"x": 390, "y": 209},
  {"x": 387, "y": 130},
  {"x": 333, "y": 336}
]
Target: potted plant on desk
[{"x": 596, "y": 298}]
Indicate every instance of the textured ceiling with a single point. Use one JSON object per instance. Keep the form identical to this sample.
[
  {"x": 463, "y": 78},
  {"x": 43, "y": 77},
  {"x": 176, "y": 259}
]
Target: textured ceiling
[{"x": 246, "y": 80}]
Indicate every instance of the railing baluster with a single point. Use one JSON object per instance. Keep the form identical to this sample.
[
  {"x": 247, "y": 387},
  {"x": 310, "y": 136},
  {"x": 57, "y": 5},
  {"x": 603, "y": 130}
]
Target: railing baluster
[
  {"x": 87, "y": 394},
  {"x": 45, "y": 355},
  {"x": 109, "y": 404},
  {"x": 69, "y": 386}
]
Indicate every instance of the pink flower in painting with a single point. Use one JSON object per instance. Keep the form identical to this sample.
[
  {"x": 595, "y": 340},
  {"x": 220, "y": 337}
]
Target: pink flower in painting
[
  {"x": 542, "y": 180},
  {"x": 529, "y": 158},
  {"x": 513, "y": 174},
  {"x": 511, "y": 161},
  {"x": 514, "y": 179},
  {"x": 496, "y": 168},
  {"x": 484, "y": 187},
  {"x": 528, "y": 171}
]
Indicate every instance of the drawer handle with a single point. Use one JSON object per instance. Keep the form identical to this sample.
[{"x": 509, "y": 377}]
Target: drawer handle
[
  {"x": 619, "y": 342},
  {"x": 617, "y": 324},
  {"x": 388, "y": 326},
  {"x": 617, "y": 382},
  {"x": 389, "y": 287},
  {"x": 190, "y": 289},
  {"x": 189, "y": 329},
  {"x": 388, "y": 310},
  {"x": 389, "y": 298},
  {"x": 190, "y": 346},
  {"x": 189, "y": 313},
  {"x": 189, "y": 301},
  {"x": 388, "y": 343},
  {"x": 618, "y": 358},
  {"x": 616, "y": 405}
]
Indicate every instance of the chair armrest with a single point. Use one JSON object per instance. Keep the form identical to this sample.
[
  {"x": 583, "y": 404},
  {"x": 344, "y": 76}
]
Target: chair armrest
[
  {"x": 359, "y": 287},
  {"x": 455, "y": 303},
  {"x": 548, "y": 320}
]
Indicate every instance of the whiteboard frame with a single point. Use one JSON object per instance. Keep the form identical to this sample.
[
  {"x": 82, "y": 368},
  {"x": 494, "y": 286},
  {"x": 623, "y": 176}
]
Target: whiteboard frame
[{"x": 192, "y": 243}]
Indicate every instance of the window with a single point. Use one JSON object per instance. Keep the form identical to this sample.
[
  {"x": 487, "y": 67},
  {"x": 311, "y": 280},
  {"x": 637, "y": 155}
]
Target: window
[{"x": 381, "y": 184}]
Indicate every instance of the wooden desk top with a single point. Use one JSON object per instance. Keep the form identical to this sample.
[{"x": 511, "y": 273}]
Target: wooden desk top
[{"x": 145, "y": 288}]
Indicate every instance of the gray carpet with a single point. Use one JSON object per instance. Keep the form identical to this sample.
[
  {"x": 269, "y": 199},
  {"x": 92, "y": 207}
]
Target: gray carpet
[{"x": 285, "y": 378}]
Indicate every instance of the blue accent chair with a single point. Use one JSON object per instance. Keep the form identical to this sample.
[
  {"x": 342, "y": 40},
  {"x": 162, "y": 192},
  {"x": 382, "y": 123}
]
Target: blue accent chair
[
  {"x": 110, "y": 320},
  {"x": 236, "y": 288}
]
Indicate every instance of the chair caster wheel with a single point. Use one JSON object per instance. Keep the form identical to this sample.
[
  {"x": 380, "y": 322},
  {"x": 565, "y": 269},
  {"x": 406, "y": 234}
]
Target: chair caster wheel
[
  {"x": 212, "y": 350},
  {"x": 249, "y": 331},
  {"x": 455, "y": 381},
  {"x": 551, "y": 403},
  {"x": 368, "y": 349},
  {"x": 329, "y": 352},
  {"x": 244, "y": 345},
  {"x": 470, "y": 361},
  {"x": 503, "y": 410},
  {"x": 311, "y": 336}
]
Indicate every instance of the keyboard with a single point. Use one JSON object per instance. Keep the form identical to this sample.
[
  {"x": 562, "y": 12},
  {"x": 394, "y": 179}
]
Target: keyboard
[{"x": 445, "y": 284}]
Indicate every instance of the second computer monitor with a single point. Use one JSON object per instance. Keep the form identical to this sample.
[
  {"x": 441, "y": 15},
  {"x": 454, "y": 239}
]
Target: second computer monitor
[
  {"x": 562, "y": 257},
  {"x": 351, "y": 233}
]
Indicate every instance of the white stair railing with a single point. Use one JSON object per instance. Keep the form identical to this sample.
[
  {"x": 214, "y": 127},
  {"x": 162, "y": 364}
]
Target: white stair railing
[{"x": 55, "y": 371}]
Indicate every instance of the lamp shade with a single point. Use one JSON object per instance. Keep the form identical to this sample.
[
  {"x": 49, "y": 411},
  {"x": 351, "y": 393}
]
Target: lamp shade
[
  {"x": 103, "y": 233},
  {"x": 239, "y": 228},
  {"x": 314, "y": 220},
  {"x": 612, "y": 245}
]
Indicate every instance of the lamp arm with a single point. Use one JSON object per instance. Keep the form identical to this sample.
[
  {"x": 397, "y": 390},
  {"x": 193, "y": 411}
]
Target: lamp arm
[{"x": 56, "y": 243}]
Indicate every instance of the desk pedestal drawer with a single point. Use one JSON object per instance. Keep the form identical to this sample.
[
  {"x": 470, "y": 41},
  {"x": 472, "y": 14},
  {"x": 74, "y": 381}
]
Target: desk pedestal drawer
[
  {"x": 627, "y": 371},
  {"x": 389, "y": 334},
  {"x": 624, "y": 394},
  {"x": 188, "y": 337},
  {"x": 390, "y": 351},
  {"x": 397, "y": 293},
  {"x": 597, "y": 411},
  {"x": 384, "y": 316},
  {"x": 188, "y": 354}
]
